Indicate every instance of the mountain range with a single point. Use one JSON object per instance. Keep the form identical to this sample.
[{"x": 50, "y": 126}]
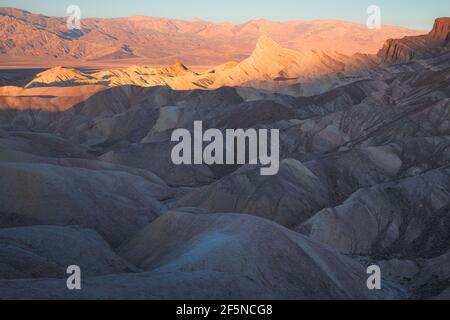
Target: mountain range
[
  {"x": 269, "y": 67},
  {"x": 162, "y": 41}
]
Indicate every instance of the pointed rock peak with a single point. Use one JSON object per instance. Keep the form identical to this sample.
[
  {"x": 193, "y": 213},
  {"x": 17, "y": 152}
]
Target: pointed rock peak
[
  {"x": 267, "y": 44},
  {"x": 57, "y": 75},
  {"x": 62, "y": 68},
  {"x": 178, "y": 69},
  {"x": 179, "y": 66},
  {"x": 59, "y": 69},
  {"x": 441, "y": 29}
]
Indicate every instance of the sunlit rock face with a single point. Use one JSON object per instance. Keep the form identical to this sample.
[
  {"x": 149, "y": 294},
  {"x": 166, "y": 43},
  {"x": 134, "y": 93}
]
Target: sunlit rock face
[{"x": 437, "y": 41}]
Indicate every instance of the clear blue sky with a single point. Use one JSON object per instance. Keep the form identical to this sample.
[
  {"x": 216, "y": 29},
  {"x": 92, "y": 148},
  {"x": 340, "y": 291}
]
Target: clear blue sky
[{"x": 417, "y": 14}]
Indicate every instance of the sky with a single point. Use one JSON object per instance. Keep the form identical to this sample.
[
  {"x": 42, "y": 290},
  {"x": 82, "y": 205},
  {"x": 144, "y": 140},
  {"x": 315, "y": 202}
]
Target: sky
[{"x": 416, "y": 14}]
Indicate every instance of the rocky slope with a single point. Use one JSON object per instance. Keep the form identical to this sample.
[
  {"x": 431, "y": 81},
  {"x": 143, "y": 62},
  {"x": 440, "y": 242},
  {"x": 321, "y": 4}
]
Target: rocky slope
[
  {"x": 216, "y": 257},
  {"x": 418, "y": 46}
]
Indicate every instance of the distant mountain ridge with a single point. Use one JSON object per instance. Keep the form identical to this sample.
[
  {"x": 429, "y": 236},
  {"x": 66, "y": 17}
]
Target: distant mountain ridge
[
  {"x": 164, "y": 41},
  {"x": 270, "y": 67}
]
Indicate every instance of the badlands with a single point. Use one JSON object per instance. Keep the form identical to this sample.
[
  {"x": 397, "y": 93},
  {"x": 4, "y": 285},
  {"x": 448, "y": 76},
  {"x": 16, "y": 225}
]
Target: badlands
[{"x": 86, "y": 176}]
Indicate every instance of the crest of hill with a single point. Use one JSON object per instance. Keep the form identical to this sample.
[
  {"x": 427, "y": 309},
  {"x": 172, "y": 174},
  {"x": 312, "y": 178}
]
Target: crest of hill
[{"x": 58, "y": 76}]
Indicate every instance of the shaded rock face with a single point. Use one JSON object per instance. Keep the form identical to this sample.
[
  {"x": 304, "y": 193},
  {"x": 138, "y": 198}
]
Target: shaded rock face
[
  {"x": 395, "y": 50},
  {"x": 364, "y": 179},
  {"x": 114, "y": 203},
  {"x": 46, "y": 249},
  {"x": 288, "y": 198},
  {"x": 156, "y": 157},
  {"x": 408, "y": 219},
  {"x": 241, "y": 245},
  {"x": 211, "y": 254}
]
